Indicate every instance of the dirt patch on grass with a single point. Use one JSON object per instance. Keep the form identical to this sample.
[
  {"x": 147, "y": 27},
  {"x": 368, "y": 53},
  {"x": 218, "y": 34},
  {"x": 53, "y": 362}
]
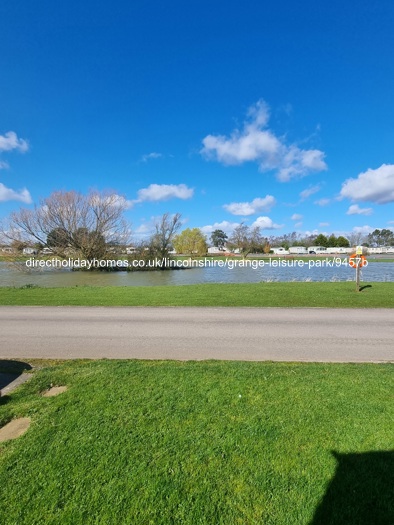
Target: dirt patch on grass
[
  {"x": 55, "y": 391},
  {"x": 14, "y": 429}
]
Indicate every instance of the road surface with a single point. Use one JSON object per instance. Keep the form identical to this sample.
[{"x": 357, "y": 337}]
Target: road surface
[{"x": 250, "y": 334}]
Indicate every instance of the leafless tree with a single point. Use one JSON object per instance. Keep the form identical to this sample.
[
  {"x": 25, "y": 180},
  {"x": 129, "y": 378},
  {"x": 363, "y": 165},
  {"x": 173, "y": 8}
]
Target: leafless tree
[
  {"x": 246, "y": 240},
  {"x": 165, "y": 230},
  {"x": 356, "y": 238},
  {"x": 71, "y": 223}
]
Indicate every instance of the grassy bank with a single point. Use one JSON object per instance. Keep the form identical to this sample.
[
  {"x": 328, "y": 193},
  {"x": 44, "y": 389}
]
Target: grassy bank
[
  {"x": 200, "y": 443},
  {"x": 311, "y": 294}
]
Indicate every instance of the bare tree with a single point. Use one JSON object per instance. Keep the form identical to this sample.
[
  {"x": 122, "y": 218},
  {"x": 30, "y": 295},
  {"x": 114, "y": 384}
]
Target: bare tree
[
  {"x": 356, "y": 238},
  {"x": 246, "y": 240},
  {"x": 165, "y": 230},
  {"x": 70, "y": 222}
]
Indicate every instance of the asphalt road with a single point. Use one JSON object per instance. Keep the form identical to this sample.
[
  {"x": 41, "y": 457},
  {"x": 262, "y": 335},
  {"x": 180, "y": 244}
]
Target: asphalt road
[{"x": 250, "y": 334}]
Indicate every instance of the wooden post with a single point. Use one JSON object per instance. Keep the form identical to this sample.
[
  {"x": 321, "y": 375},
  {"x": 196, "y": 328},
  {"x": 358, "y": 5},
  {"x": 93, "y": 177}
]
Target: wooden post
[
  {"x": 359, "y": 252},
  {"x": 358, "y": 276}
]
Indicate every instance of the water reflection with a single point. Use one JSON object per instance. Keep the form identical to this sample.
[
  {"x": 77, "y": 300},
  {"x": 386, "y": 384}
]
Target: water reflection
[{"x": 374, "y": 272}]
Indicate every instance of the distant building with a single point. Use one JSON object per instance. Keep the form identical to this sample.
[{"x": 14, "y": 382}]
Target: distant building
[
  {"x": 280, "y": 251},
  {"x": 317, "y": 249},
  {"x": 340, "y": 249},
  {"x": 29, "y": 251},
  {"x": 214, "y": 250},
  {"x": 298, "y": 250}
]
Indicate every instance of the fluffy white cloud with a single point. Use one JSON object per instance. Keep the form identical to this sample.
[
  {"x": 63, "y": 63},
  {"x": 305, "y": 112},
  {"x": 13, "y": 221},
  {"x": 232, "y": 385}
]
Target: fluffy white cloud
[
  {"x": 296, "y": 217},
  {"x": 150, "y": 156},
  {"x": 372, "y": 185},
  {"x": 122, "y": 202},
  {"x": 163, "y": 192},
  {"x": 265, "y": 223},
  {"x": 111, "y": 199},
  {"x": 256, "y": 143},
  {"x": 355, "y": 209},
  {"x": 250, "y": 208},
  {"x": 10, "y": 141},
  {"x": 298, "y": 162},
  {"x": 363, "y": 229},
  {"x": 128, "y": 204},
  {"x": 310, "y": 191},
  {"x": 7, "y": 194},
  {"x": 226, "y": 226}
]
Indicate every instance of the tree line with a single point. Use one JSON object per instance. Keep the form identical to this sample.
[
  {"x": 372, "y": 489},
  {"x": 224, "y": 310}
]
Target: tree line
[{"x": 93, "y": 226}]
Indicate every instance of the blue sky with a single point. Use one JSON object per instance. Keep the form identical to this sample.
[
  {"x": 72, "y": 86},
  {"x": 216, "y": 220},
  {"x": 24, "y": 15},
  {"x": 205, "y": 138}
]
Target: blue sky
[{"x": 278, "y": 114}]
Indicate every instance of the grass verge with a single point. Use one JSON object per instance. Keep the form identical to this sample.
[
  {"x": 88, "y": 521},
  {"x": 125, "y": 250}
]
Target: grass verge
[
  {"x": 201, "y": 443},
  {"x": 311, "y": 294}
]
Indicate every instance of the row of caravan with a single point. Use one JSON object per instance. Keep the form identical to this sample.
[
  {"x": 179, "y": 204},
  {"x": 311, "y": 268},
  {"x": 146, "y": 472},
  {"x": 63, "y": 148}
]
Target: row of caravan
[
  {"x": 319, "y": 249},
  {"x": 301, "y": 250}
]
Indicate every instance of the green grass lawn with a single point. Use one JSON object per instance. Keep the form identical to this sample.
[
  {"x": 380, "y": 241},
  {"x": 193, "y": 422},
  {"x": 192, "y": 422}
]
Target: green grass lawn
[
  {"x": 134, "y": 442},
  {"x": 310, "y": 294}
]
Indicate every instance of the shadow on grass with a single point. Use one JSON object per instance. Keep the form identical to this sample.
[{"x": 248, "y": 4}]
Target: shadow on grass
[
  {"x": 361, "y": 492},
  {"x": 10, "y": 370},
  {"x": 365, "y": 286},
  {"x": 4, "y": 400}
]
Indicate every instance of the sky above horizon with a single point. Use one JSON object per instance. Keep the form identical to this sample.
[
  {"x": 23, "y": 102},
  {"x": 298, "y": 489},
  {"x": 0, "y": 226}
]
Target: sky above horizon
[{"x": 271, "y": 114}]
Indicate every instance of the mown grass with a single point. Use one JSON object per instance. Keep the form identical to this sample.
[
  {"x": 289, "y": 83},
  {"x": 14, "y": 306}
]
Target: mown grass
[
  {"x": 135, "y": 442},
  {"x": 310, "y": 294}
]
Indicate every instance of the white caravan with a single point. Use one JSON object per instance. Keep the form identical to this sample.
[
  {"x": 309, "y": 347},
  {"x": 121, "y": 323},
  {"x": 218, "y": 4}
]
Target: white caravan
[
  {"x": 298, "y": 250},
  {"x": 317, "y": 249}
]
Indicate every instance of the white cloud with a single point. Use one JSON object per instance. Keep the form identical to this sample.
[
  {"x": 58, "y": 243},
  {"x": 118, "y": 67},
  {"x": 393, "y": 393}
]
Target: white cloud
[
  {"x": 363, "y": 229},
  {"x": 308, "y": 233},
  {"x": 298, "y": 162},
  {"x": 250, "y": 208},
  {"x": 323, "y": 202},
  {"x": 3, "y": 165},
  {"x": 145, "y": 228},
  {"x": 372, "y": 185},
  {"x": 265, "y": 223},
  {"x": 296, "y": 217},
  {"x": 7, "y": 194},
  {"x": 9, "y": 141},
  {"x": 150, "y": 156},
  {"x": 355, "y": 209},
  {"x": 256, "y": 143},
  {"x": 226, "y": 226},
  {"x": 112, "y": 199},
  {"x": 122, "y": 202},
  {"x": 298, "y": 225},
  {"x": 163, "y": 192},
  {"x": 310, "y": 191},
  {"x": 323, "y": 224}
]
